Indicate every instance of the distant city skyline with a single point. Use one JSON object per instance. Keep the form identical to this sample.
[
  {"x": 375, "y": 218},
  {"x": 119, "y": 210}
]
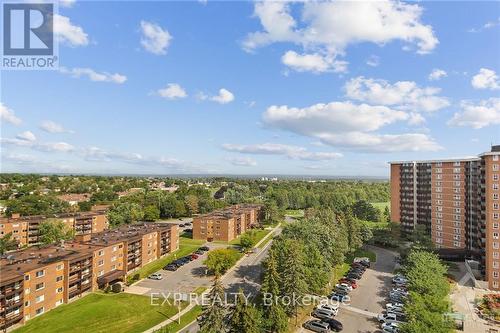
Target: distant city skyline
[{"x": 266, "y": 88}]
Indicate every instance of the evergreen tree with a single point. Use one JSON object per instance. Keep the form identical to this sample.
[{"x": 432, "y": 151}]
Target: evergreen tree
[
  {"x": 245, "y": 318},
  {"x": 213, "y": 318}
]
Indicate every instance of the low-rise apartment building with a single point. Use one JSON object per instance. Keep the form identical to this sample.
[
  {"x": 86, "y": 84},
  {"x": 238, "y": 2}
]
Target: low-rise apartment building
[
  {"x": 227, "y": 224},
  {"x": 457, "y": 202},
  {"x": 24, "y": 229},
  {"x": 40, "y": 278}
]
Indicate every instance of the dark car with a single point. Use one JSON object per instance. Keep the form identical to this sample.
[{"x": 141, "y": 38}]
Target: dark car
[
  {"x": 204, "y": 248},
  {"x": 181, "y": 225},
  {"x": 358, "y": 265},
  {"x": 334, "y": 324},
  {"x": 199, "y": 252},
  {"x": 178, "y": 262},
  {"x": 353, "y": 276},
  {"x": 340, "y": 291},
  {"x": 185, "y": 260},
  {"x": 170, "y": 267},
  {"x": 188, "y": 230}
]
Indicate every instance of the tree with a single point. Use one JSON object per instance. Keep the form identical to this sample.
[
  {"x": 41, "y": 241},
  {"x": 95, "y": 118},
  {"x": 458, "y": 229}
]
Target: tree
[
  {"x": 248, "y": 239},
  {"x": 213, "y": 317},
  {"x": 244, "y": 318},
  {"x": 220, "y": 260},
  {"x": 54, "y": 231},
  {"x": 7, "y": 243},
  {"x": 272, "y": 213},
  {"x": 151, "y": 213},
  {"x": 125, "y": 213},
  {"x": 365, "y": 211},
  {"x": 387, "y": 215},
  {"x": 36, "y": 205},
  {"x": 191, "y": 202}
]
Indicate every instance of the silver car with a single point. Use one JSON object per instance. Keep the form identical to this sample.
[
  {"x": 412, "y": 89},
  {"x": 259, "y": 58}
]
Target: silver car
[{"x": 317, "y": 326}]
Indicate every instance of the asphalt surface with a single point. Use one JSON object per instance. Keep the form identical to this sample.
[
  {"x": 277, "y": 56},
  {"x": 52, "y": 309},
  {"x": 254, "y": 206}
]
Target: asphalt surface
[{"x": 369, "y": 298}]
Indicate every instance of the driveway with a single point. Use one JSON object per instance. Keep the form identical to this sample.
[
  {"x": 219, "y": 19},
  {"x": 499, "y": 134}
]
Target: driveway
[{"x": 369, "y": 298}]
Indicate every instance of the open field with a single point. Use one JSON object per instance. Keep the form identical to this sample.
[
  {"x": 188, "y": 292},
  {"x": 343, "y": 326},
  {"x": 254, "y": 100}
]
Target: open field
[
  {"x": 186, "y": 319},
  {"x": 99, "y": 312},
  {"x": 186, "y": 246},
  {"x": 381, "y": 205}
]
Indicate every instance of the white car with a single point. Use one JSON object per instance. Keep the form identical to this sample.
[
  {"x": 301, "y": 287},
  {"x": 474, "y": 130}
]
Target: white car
[
  {"x": 399, "y": 279},
  {"x": 334, "y": 308},
  {"x": 394, "y": 307},
  {"x": 343, "y": 286},
  {"x": 390, "y": 327},
  {"x": 387, "y": 318},
  {"x": 155, "y": 276}
]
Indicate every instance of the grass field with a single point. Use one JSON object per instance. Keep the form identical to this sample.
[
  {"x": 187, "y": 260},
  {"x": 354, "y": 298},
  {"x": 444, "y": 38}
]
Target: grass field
[
  {"x": 186, "y": 319},
  {"x": 381, "y": 205},
  {"x": 99, "y": 312},
  {"x": 294, "y": 212},
  {"x": 259, "y": 235},
  {"x": 186, "y": 246}
]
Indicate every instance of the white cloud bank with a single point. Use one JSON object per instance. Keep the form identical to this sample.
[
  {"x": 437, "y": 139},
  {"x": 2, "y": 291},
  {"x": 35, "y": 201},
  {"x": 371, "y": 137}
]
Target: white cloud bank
[
  {"x": 92, "y": 75},
  {"x": 482, "y": 114},
  {"x": 326, "y": 29},
  {"x": 68, "y": 33},
  {"x": 8, "y": 115},
  {"x": 293, "y": 152},
  {"x": 437, "y": 74},
  {"x": 50, "y": 126},
  {"x": 172, "y": 91}
]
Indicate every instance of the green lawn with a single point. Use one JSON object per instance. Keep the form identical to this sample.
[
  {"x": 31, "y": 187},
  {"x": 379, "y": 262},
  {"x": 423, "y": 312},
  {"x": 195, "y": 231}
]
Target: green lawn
[
  {"x": 99, "y": 312},
  {"x": 187, "y": 245},
  {"x": 295, "y": 212},
  {"x": 376, "y": 225},
  {"x": 381, "y": 205},
  {"x": 259, "y": 235},
  {"x": 186, "y": 319},
  {"x": 361, "y": 253}
]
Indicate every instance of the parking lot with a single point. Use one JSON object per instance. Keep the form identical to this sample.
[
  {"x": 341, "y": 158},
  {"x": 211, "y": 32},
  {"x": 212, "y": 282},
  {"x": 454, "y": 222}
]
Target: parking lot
[{"x": 369, "y": 298}]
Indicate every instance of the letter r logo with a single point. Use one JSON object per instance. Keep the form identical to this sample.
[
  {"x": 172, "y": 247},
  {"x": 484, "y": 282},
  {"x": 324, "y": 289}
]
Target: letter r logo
[{"x": 28, "y": 29}]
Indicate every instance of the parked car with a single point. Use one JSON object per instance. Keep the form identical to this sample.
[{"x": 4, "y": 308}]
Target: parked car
[
  {"x": 322, "y": 314},
  {"x": 199, "y": 252},
  {"x": 363, "y": 261},
  {"x": 354, "y": 276},
  {"x": 352, "y": 282},
  {"x": 317, "y": 326},
  {"x": 394, "y": 307},
  {"x": 339, "y": 297},
  {"x": 194, "y": 256},
  {"x": 387, "y": 318},
  {"x": 171, "y": 267},
  {"x": 345, "y": 286},
  {"x": 204, "y": 248},
  {"x": 390, "y": 327},
  {"x": 334, "y": 324},
  {"x": 329, "y": 307},
  {"x": 399, "y": 279},
  {"x": 155, "y": 276},
  {"x": 358, "y": 265},
  {"x": 181, "y": 225}
]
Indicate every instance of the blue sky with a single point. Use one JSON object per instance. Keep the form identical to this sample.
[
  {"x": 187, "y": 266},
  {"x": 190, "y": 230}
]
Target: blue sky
[{"x": 329, "y": 88}]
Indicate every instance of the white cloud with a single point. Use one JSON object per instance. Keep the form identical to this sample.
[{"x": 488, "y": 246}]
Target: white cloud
[
  {"x": 416, "y": 119},
  {"x": 437, "y": 74},
  {"x": 8, "y": 115},
  {"x": 69, "y": 33},
  {"x": 224, "y": 97},
  {"x": 172, "y": 91},
  {"x": 486, "y": 79},
  {"x": 67, "y": 3},
  {"x": 348, "y": 125},
  {"x": 314, "y": 62},
  {"x": 373, "y": 61},
  {"x": 293, "y": 152},
  {"x": 53, "y": 127},
  {"x": 242, "y": 161},
  {"x": 154, "y": 38},
  {"x": 40, "y": 146},
  {"x": 485, "y": 113},
  {"x": 405, "y": 95},
  {"x": 93, "y": 75},
  {"x": 330, "y": 27},
  {"x": 487, "y": 25},
  {"x": 27, "y": 135}
]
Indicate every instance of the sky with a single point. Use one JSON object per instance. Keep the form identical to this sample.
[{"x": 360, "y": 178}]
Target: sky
[{"x": 299, "y": 88}]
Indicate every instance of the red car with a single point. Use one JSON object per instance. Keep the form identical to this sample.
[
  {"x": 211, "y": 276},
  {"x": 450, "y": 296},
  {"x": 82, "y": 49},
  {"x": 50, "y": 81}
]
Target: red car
[
  {"x": 350, "y": 282},
  {"x": 194, "y": 256}
]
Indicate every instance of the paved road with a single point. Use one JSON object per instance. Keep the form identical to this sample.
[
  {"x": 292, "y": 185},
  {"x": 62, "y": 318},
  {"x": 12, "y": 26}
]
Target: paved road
[{"x": 370, "y": 297}]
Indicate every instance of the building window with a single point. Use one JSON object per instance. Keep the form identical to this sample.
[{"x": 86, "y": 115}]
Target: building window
[
  {"x": 439, "y": 189},
  {"x": 495, "y": 206},
  {"x": 496, "y": 255},
  {"x": 495, "y": 187},
  {"x": 456, "y": 177},
  {"x": 495, "y": 167},
  {"x": 495, "y": 157},
  {"x": 495, "y": 196},
  {"x": 495, "y": 284},
  {"x": 495, "y": 274},
  {"x": 59, "y": 278},
  {"x": 39, "y": 286},
  {"x": 27, "y": 303},
  {"x": 113, "y": 267},
  {"x": 40, "y": 273},
  {"x": 456, "y": 237},
  {"x": 495, "y": 264},
  {"x": 439, "y": 221},
  {"x": 101, "y": 253},
  {"x": 59, "y": 290},
  {"x": 439, "y": 208},
  {"x": 456, "y": 197},
  {"x": 39, "y": 311},
  {"x": 27, "y": 277},
  {"x": 456, "y": 244},
  {"x": 40, "y": 298},
  {"x": 457, "y": 217},
  {"x": 457, "y": 210},
  {"x": 495, "y": 216},
  {"x": 59, "y": 267},
  {"x": 495, "y": 177},
  {"x": 101, "y": 273},
  {"x": 495, "y": 225},
  {"x": 113, "y": 258},
  {"x": 101, "y": 262},
  {"x": 456, "y": 170},
  {"x": 495, "y": 235},
  {"x": 495, "y": 245},
  {"x": 27, "y": 291},
  {"x": 114, "y": 248}
]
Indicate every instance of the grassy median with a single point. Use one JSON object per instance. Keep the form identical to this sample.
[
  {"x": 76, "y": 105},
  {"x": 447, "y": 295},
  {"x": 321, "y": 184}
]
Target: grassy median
[{"x": 99, "y": 312}]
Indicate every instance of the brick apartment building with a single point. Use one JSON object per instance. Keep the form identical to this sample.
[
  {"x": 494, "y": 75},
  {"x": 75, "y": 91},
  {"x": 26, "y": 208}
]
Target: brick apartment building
[
  {"x": 24, "y": 229},
  {"x": 40, "y": 278},
  {"x": 457, "y": 201},
  {"x": 227, "y": 224}
]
